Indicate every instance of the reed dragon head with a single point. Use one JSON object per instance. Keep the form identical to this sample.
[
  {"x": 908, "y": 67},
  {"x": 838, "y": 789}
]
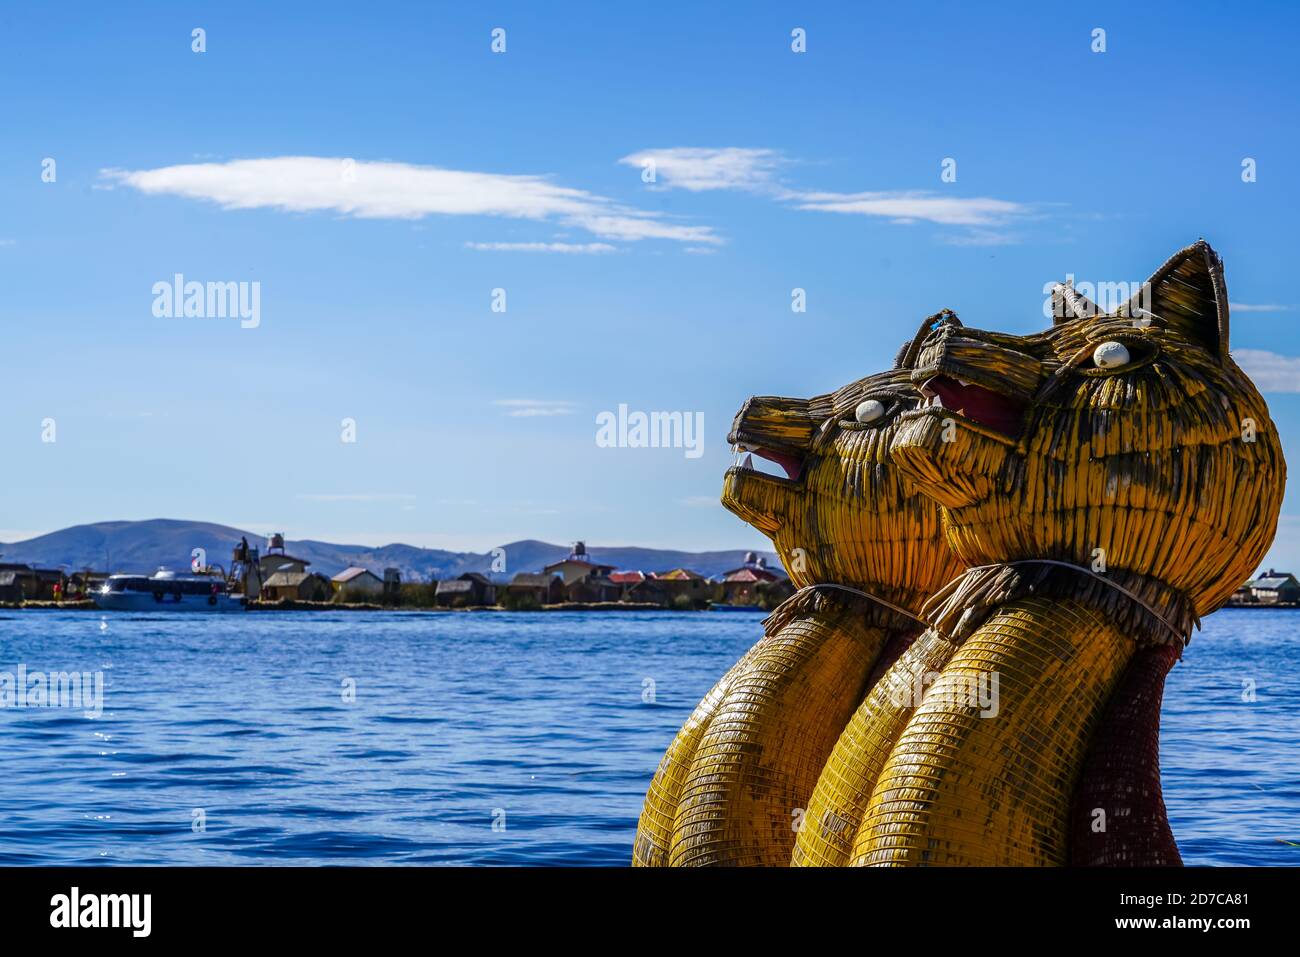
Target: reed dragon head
[
  {"x": 1130, "y": 435},
  {"x": 841, "y": 513}
]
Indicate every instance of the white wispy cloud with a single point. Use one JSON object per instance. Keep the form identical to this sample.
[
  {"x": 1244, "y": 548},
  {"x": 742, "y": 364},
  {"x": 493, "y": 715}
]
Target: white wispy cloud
[
  {"x": 703, "y": 168},
  {"x": 386, "y": 190},
  {"x": 631, "y": 229},
  {"x": 1269, "y": 371},
  {"x": 915, "y": 206},
  {"x": 1248, "y": 307},
  {"x": 527, "y": 408},
  {"x": 572, "y": 248},
  {"x": 756, "y": 171}
]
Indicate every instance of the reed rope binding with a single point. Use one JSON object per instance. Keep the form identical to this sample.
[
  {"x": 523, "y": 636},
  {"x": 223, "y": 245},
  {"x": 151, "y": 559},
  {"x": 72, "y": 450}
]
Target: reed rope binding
[
  {"x": 1178, "y": 633},
  {"x": 875, "y": 599}
]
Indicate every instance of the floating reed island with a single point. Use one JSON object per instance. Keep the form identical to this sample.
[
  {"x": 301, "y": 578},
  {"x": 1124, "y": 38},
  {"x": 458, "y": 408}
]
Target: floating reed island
[{"x": 279, "y": 581}]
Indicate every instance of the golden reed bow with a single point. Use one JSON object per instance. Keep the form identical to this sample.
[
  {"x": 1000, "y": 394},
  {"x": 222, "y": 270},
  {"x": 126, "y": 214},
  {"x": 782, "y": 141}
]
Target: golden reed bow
[
  {"x": 1104, "y": 482},
  {"x": 734, "y": 783}
]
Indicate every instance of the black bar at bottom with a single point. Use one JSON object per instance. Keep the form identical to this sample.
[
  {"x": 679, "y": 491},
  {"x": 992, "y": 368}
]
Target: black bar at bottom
[{"x": 336, "y": 905}]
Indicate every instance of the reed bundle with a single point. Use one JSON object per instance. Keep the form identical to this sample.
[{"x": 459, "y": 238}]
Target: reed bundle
[
  {"x": 963, "y": 787},
  {"x": 758, "y": 760},
  {"x": 838, "y": 802},
  {"x": 736, "y": 779},
  {"x": 654, "y": 835}
]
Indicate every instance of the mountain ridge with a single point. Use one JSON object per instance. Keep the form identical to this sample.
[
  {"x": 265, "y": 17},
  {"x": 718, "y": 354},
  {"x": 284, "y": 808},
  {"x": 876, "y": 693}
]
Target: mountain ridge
[{"x": 142, "y": 546}]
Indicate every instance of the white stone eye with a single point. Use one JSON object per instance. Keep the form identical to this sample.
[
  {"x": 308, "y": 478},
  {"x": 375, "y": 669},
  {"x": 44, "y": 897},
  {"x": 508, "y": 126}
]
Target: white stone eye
[
  {"x": 869, "y": 411},
  {"x": 1110, "y": 355}
]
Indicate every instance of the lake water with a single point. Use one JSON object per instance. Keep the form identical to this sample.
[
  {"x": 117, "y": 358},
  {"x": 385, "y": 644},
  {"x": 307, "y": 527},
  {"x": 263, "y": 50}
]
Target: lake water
[{"x": 462, "y": 721}]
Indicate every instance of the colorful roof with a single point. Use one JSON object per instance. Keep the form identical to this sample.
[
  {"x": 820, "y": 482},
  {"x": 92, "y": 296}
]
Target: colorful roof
[
  {"x": 749, "y": 575},
  {"x": 679, "y": 575}
]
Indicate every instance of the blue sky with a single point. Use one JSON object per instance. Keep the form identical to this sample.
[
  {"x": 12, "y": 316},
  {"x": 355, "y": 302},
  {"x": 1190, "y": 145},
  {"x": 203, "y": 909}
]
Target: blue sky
[{"x": 474, "y": 171}]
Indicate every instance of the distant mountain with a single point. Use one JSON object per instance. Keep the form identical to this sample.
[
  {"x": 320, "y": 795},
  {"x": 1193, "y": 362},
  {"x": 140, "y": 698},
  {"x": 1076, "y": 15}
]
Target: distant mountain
[
  {"x": 143, "y": 546},
  {"x": 531, "y": 555}
]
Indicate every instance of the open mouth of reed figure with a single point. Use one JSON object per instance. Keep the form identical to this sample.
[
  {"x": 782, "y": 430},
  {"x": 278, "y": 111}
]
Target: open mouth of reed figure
[
  {"x": 770, "y": 462},
  {"x": 976, "y": 403}
]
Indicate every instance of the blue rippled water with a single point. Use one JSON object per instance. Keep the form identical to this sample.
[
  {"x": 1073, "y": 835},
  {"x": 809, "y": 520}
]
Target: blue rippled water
[{"x": 534, "y": 721}]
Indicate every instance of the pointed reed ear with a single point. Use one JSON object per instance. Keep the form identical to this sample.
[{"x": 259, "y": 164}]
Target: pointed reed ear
[
  {"x": 1068, "y": 304},
  {"x": 1187, "y": 294},
  {"x": 906, "y": 358}
]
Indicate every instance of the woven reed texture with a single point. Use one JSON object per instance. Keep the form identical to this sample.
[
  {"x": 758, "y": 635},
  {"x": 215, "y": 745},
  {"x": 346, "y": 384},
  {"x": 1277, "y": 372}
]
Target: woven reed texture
[
  {"x": 759, "y": 758},
  {"x": 847, "y": 520},
  {"x": 1121, "y": 776},
  {"x": 1155, "y": 463},
  {"x": 654, "y": 832},
  {"x": 967, "y": 788},
  {"x": 849, "y": 775},
  {"x": 1146, "y": 610},
  {"x": 1168, "y": 468},
  {"x": 894, "y": 649}
]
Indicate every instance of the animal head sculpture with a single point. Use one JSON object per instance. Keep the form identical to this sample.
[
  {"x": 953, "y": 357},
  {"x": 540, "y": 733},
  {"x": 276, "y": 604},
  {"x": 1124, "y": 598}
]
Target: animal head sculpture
[
  {"x": 842, "y": 513},
  {"x": 1132, "y": 432}
]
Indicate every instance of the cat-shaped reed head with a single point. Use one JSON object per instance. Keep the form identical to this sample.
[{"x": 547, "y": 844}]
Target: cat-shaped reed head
[
  {"x": 841, "y": 514},
  {"x": 1122, "y": 441}
]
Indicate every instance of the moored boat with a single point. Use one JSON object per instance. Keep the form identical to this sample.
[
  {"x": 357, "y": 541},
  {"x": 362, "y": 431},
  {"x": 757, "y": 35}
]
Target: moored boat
[{"x": 166, "y": 591}]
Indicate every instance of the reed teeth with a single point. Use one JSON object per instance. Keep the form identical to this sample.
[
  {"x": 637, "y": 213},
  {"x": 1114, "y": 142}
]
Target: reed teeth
[{"x": 749, "y": 461}]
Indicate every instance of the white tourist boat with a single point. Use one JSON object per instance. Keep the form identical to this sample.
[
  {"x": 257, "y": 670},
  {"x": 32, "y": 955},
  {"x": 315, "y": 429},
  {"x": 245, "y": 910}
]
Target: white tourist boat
[{"x": 166, "y": 591}]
